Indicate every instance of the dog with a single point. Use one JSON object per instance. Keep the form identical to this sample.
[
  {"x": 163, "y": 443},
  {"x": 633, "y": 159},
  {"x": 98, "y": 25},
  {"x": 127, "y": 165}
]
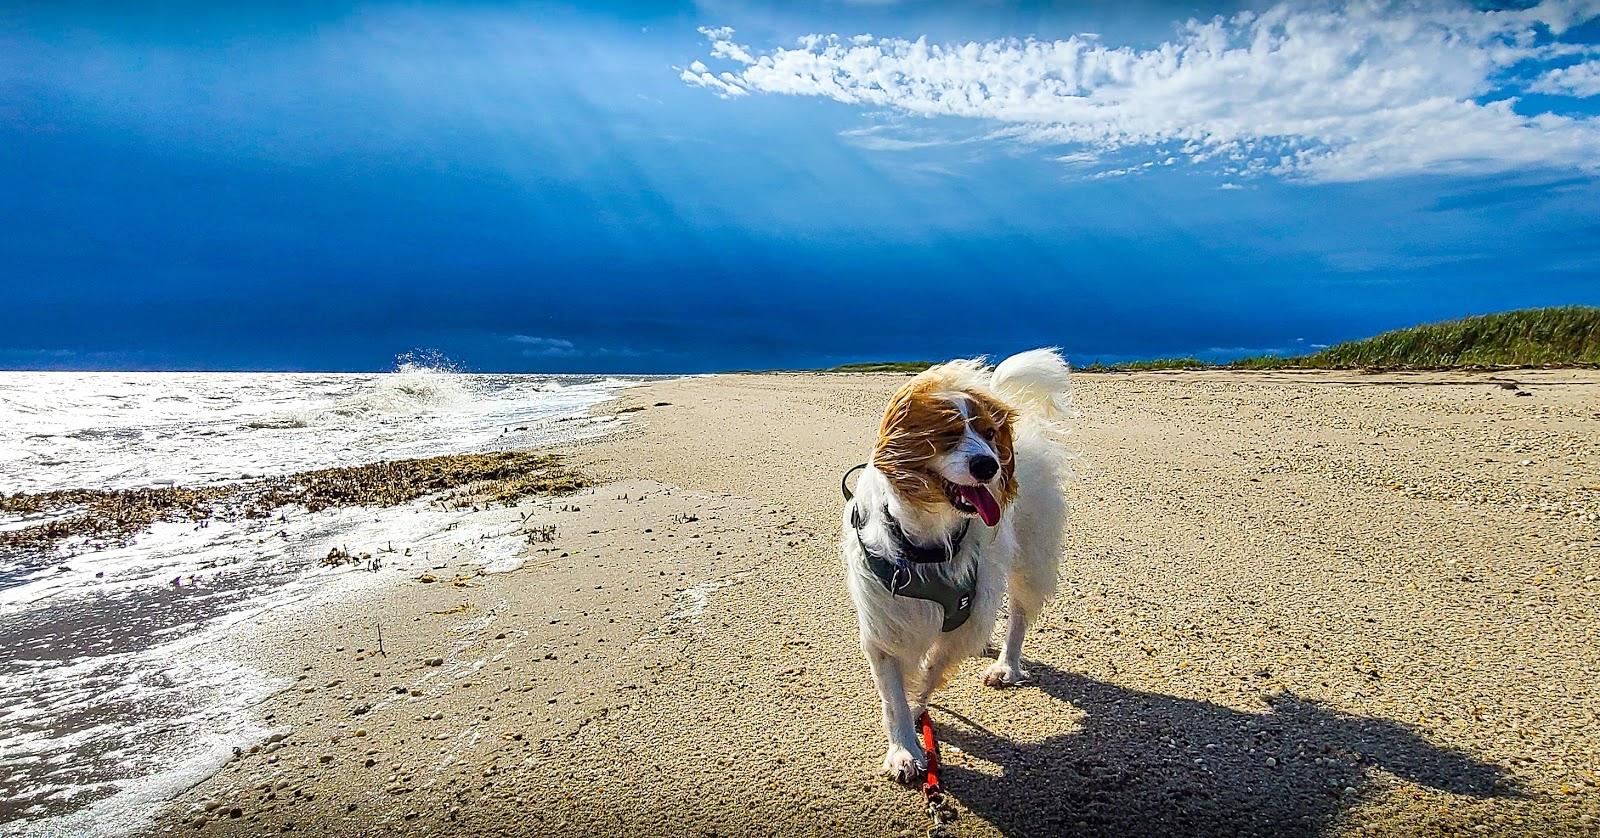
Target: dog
[{"x": 961, "y": 506}]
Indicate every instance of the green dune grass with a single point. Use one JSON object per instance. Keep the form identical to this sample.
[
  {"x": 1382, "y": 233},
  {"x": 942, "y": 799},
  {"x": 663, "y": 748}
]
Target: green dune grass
[
  {"x": 882, "y": 366},
  {"x": 1561, "y": 336},
  {"x": 1566, "y": 336}
]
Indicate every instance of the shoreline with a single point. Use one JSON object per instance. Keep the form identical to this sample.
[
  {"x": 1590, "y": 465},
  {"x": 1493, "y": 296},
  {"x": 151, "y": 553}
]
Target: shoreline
[
  {"x": 110, "y": 598},
  {"x": 565, "y": 699}
]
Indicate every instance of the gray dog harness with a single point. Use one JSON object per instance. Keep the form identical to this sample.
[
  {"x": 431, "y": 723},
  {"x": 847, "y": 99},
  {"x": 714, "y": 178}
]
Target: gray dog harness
[{"x": 894, "y": 568}]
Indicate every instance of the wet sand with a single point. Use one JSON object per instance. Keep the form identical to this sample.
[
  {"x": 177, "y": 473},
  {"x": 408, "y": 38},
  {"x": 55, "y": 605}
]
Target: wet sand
[{"x": 1293, "y": 603}]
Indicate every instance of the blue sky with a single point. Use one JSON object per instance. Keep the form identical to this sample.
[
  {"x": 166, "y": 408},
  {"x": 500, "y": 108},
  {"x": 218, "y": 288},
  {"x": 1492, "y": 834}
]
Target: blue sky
[{"x": 651, "y": 187}]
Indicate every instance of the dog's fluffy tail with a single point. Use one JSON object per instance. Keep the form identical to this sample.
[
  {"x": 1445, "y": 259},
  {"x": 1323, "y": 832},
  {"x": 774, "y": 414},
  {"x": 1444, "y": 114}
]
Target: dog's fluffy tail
[{"x": 1036, "y": 382}]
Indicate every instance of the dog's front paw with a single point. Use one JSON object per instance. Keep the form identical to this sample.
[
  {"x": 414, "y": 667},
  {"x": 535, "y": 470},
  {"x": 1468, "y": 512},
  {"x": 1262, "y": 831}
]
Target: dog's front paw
[
  {"x": 1002, "y": 674},
  {"x": 902, "y": 765}
]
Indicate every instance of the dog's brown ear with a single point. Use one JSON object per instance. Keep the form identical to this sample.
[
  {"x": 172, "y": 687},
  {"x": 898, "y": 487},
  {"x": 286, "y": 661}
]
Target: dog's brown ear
[
  {"x": 918, "y": 424},
  {"x": 992, "y": 415}
]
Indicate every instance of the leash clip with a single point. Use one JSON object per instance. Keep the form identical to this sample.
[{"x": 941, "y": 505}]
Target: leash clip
[{"x": 901, "y": 578}]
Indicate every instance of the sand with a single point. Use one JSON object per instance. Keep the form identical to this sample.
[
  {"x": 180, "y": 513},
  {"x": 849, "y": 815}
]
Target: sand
[{"x": 1293, "y": 603}]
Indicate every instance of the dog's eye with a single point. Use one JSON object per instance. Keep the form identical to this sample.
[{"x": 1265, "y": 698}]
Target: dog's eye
[{"x": 988, "y": 433}]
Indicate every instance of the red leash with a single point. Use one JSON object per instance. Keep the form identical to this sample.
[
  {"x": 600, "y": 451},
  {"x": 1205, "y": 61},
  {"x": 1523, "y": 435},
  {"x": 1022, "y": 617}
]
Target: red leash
[{"x": 931, "y": 789}]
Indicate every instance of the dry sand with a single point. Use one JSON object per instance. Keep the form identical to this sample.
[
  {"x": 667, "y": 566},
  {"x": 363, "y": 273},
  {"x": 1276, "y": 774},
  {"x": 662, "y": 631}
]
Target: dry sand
[{"x": 1293, "y": 604}]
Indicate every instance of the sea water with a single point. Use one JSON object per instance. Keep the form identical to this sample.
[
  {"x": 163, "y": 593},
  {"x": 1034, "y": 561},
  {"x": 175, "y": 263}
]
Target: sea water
[{"x": 112, "y": 695}]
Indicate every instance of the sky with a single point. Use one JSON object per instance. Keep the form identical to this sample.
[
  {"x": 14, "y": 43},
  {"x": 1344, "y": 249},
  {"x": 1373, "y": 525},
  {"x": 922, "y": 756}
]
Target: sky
[{"x": 659, "y": 187}]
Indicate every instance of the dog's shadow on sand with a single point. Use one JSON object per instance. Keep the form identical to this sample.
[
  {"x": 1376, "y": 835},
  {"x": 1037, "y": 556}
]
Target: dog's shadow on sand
[{"x": 1143, "y": 763}]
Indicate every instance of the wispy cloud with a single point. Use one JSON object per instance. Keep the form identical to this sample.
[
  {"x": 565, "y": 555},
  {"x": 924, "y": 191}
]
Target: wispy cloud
[
  {"x": 543, "y": 347},
  {"x": 873, "y": 138},
  {"x": 546, "y": 347},
  {"x": 1325, "y": 92},
  {"x": 1078, "y": 158}
]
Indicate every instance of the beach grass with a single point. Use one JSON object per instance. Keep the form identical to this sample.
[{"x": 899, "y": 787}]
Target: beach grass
[
  {"x": 882, "y": 366},
  {"x": 1565, "y": 336},
  {"x": 1149, "y": 364},
  {"x": 1559, "y": 336}
]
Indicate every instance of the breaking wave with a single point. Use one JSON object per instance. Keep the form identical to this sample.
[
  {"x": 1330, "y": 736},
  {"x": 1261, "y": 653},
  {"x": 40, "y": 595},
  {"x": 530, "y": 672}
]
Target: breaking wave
[
  {"x": 111, "y": 698},
  {"x": 418, "y": 386},
  {"x": 90, "y": 430}
]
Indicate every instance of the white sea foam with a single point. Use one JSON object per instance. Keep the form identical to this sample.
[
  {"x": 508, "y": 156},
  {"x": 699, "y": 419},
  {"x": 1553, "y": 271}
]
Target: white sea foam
[
  {"x": 154, "y": 719},
  {"x": 114, "y": 693},
  {"x": 123, "y": 430}
]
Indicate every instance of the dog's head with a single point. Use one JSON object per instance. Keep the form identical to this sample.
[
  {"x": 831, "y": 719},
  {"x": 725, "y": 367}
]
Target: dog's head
[{"x": 946, "y": 443}]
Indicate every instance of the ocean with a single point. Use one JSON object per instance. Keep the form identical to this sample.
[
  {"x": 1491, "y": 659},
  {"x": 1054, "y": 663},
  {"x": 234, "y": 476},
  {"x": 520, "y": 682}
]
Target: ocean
[{"x": 113, "y": 696}]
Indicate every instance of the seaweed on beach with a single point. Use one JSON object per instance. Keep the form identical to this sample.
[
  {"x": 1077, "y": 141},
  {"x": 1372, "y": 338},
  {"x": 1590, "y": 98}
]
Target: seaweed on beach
[
  {"x": 117, "y": 515},
  {"x": 110, "y": 515},
  {"x": 502, "y": 477}
]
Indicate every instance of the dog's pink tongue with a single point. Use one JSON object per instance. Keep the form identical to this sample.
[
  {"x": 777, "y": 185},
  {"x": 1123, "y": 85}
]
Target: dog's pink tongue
[{"x": 982, "y": 501}]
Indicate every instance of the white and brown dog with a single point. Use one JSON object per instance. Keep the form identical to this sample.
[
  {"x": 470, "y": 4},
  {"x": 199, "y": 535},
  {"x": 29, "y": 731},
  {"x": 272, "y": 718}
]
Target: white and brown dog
[{"x": 959, "y": 441}]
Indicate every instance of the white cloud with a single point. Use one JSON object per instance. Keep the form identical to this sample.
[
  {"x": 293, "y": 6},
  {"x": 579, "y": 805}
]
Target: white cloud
[
  {"x": 541, "y": 347},
  {"x": 538, "y": 347},
  {"x": 874, "y": 139},
  {"x": 722, "y": 45},
  {"x": 725, "y": 86},
  {"x": 1578, "y": 80},
  {"x": 557, "y": 343},
  {"x": 1328, "y": 92},
  {"x": 1078, "y": 158}
]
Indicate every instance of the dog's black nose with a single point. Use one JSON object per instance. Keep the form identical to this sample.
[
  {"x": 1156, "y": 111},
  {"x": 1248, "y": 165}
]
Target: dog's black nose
[{"x": 983, "y": 467}]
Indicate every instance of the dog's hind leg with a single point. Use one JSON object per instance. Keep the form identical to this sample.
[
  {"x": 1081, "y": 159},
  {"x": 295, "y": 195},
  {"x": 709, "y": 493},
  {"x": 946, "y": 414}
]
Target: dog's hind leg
[
  {"x": 904, "y": 760},
  {"x": 1025, "y": 599},
  {"x": 1008, "y": 671}
]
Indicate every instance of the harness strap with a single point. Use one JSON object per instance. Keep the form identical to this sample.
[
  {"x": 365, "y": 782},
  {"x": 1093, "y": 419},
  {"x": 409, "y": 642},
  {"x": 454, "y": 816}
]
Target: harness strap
[
  {"x": 915, "y": 553},
  {"x": 895, "y": 571},
  {"x": 906, "y": 550},
  {"x": 901, "y": 581}
]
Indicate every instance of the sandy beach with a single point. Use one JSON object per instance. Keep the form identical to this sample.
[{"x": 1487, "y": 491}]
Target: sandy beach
[{"x": 1292, "y": 604}]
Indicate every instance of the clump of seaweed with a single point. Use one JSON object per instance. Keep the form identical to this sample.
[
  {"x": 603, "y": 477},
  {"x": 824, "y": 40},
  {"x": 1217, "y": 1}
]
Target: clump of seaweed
[
  {"x": 504, "y": 477},
  {"x": 339, "y": 557},
  {"x": 117, "y": 515},
  {"x": 110, "y": 515}
]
